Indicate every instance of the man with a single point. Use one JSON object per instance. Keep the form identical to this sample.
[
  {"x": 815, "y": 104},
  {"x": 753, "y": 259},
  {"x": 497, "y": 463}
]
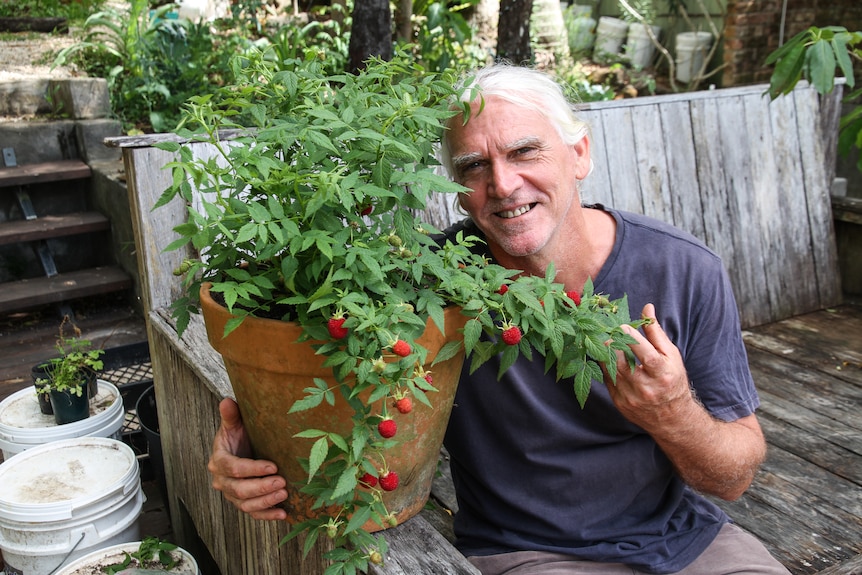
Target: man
[{"x": 545, "y": 487}]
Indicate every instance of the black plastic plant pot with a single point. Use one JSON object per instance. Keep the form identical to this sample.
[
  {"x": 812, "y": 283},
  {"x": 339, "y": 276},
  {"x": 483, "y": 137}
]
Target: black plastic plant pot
[
  {"x": 41, "y": 372},
  {"x": 68, "y": 407},
  {"x": 92, "y": 383}
]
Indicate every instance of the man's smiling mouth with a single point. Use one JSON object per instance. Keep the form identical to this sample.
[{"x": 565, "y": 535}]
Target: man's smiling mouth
[{"x": 516, "y": 212}]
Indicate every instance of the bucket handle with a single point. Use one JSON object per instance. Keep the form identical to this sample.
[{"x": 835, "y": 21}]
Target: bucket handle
[{"x": 69, "y": 554}]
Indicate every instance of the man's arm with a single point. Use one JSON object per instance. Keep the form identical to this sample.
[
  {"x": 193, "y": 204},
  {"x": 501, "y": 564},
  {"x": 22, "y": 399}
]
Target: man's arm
[{"x": 715, "y": 457}]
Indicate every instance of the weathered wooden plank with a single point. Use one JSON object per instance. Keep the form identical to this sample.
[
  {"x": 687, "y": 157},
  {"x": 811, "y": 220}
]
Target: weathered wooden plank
[
  {"x": 852, "y": 566},
  {"x": 52, "y": 226},
  {"x": 28, "y": 293},
  {"x": 829, "y": 397},
  {"x": 825, "y": 521},
  {"x": 418, "y": 548},
  {"x": 842, "y": 493},
  {"x": 796, "y": 293},
  {"x": 817, "y": 184},
  {"x": 56, "y": 171},
  {"x": 767, "y": 215},
  {"x": 624, "y": 188},
  {"x": 718, "y": 227},
  {"x": 652, "y": 168},
  {"x": 596, "y": 188},
  {"x": 145, "y": 182},
  {"x": 795, "y": 436},
  {"x": 825, "y": 429},
  {"x": 684, "y": 187},
  {"x": 817, "y": 341},
  {"x": 724, "y": 133},
  {"x": 847, "y": 209},
  {"x": 787, "y": 538}
]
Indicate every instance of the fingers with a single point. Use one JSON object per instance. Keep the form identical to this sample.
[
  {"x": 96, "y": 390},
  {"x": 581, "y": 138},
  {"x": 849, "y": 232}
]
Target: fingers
[
  {"x": 659, "y": 377},
  {"x": 251, "y": 485}
]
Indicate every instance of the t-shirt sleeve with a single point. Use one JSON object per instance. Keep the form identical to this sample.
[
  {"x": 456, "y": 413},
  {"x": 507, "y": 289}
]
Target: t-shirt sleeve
[{"x": 714, "y": 354}]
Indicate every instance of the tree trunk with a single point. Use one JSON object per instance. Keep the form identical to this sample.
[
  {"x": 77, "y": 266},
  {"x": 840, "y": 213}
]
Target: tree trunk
[
  {"x": 403, "y": 23},
  {"x": 548, "y": 32},
  {"x": 371, "y": 34},
  {"x": 513, "y": 36},
  {"x": 484, "y": 20}
]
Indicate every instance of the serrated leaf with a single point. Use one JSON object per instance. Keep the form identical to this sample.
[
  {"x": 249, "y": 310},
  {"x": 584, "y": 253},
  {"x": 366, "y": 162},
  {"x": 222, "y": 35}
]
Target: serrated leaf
[
  {"x": 317, "y": 456},
  {"x": 448, "y": 351},
  {"x": 358, "y": 519},
  {"x": 346, "y": 484},
  {"x": 307, "y": 402}
]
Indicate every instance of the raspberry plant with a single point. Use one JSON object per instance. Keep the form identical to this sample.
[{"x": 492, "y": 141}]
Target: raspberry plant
[{"x": 311, "y": 213}]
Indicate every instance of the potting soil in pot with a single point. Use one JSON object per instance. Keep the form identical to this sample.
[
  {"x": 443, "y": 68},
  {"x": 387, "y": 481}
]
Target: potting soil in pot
[
  {"x": 23, "y": 425},
  {"x": 65, "y": 499},
  {"x": 92, "y": 563}
]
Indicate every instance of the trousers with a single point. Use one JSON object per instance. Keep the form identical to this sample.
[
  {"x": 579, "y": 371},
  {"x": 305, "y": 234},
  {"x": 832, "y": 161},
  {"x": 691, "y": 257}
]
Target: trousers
[{"x": 733, "y": 552}]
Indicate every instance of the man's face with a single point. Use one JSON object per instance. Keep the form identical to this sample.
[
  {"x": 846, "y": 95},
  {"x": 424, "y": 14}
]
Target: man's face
[{"x": 522, "y": 176}]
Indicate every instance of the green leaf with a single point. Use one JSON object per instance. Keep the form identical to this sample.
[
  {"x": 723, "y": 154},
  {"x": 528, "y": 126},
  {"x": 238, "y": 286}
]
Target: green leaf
[
  {"x": 820, "y": 66},
  {"x": 346, "y": 483},
  {"x": 448, "y": 351},
  {"x": 842, "y": 56},
  {"x": 318, "y": 454},
  {"x": 358, "y": 519},
  {"x": 788, "y": 72},
  {"x": 307, "y": 402}
]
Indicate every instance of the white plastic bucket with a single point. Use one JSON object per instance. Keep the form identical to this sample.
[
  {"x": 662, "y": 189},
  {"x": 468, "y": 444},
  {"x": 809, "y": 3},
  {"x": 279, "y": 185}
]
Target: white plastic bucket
[
  {"x": 581, "y": 29},
  {"x": 116, "y": 554},
  {"x": 65, "y": 499},
  {"x": 22, "y": 424},
  {"x": 639, "y": 46},
  {"x": 610, "y": 35},
  {"x": 691, "y": 49}
]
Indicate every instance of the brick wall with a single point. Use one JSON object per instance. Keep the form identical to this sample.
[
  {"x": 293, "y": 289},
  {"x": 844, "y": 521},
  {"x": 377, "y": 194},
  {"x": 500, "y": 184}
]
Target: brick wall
[{"x": 753, "y": 28}]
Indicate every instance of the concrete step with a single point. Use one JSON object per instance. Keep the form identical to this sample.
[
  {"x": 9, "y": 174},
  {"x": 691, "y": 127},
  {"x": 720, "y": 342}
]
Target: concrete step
[
  {"x": 30, "y": 293},
  {"x": 52, "y": 227}
]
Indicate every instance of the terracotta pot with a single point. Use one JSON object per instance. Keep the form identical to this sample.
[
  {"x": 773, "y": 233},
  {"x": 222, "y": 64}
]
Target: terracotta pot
[{"x": 269, "y": 370}]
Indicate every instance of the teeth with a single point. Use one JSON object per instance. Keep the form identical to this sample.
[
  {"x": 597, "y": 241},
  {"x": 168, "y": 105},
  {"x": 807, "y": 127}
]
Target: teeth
[{"x": 514, "y": 213}]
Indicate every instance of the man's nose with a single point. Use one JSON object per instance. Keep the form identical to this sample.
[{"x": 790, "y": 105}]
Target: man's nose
[{"x": 505, "y": 179}]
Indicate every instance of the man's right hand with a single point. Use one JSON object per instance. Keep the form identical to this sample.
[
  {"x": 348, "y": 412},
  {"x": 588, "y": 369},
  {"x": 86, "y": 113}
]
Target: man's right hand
[{"x": 252, "y": 485}]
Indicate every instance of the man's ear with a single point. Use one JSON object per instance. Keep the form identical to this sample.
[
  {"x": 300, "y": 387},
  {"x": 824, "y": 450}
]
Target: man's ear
[{"x": 582, "y": 154}]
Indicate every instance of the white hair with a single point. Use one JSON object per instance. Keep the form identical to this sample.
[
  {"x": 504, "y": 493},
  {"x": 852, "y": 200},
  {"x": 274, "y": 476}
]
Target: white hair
[{"x": 524, "y": 87}]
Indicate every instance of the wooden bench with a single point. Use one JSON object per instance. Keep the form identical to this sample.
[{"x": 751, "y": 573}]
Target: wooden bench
[{"x": 750, "y": 178}]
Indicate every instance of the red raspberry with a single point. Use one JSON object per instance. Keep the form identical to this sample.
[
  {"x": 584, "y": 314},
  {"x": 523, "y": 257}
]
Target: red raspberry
[
  {"x": 366, "y": 210},
  {"x": 336, "y": 328},
  {"x": 404, "y": 405},
  {"x": 389, "y": 481},
  {"x": 368, "y": 480},
  {"x": 387, "y": 428},
  {"x": 574, "y": 296},
  {"x": 503, "y": 289},
  {"x": 429, "y": 379},
  {"x": 401, "y": 348},
  {"x": 511, "y": 335}
]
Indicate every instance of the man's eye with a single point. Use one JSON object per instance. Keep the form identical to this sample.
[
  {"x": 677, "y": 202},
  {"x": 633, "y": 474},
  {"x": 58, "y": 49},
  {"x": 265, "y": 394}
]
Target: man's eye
[
  {"x": 526, "y": 150},
  {"x": 470, "y": 168}
]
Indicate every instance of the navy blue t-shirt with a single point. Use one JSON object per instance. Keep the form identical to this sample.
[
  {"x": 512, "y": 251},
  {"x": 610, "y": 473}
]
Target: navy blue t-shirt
[{"x": 534, "y": 471}]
